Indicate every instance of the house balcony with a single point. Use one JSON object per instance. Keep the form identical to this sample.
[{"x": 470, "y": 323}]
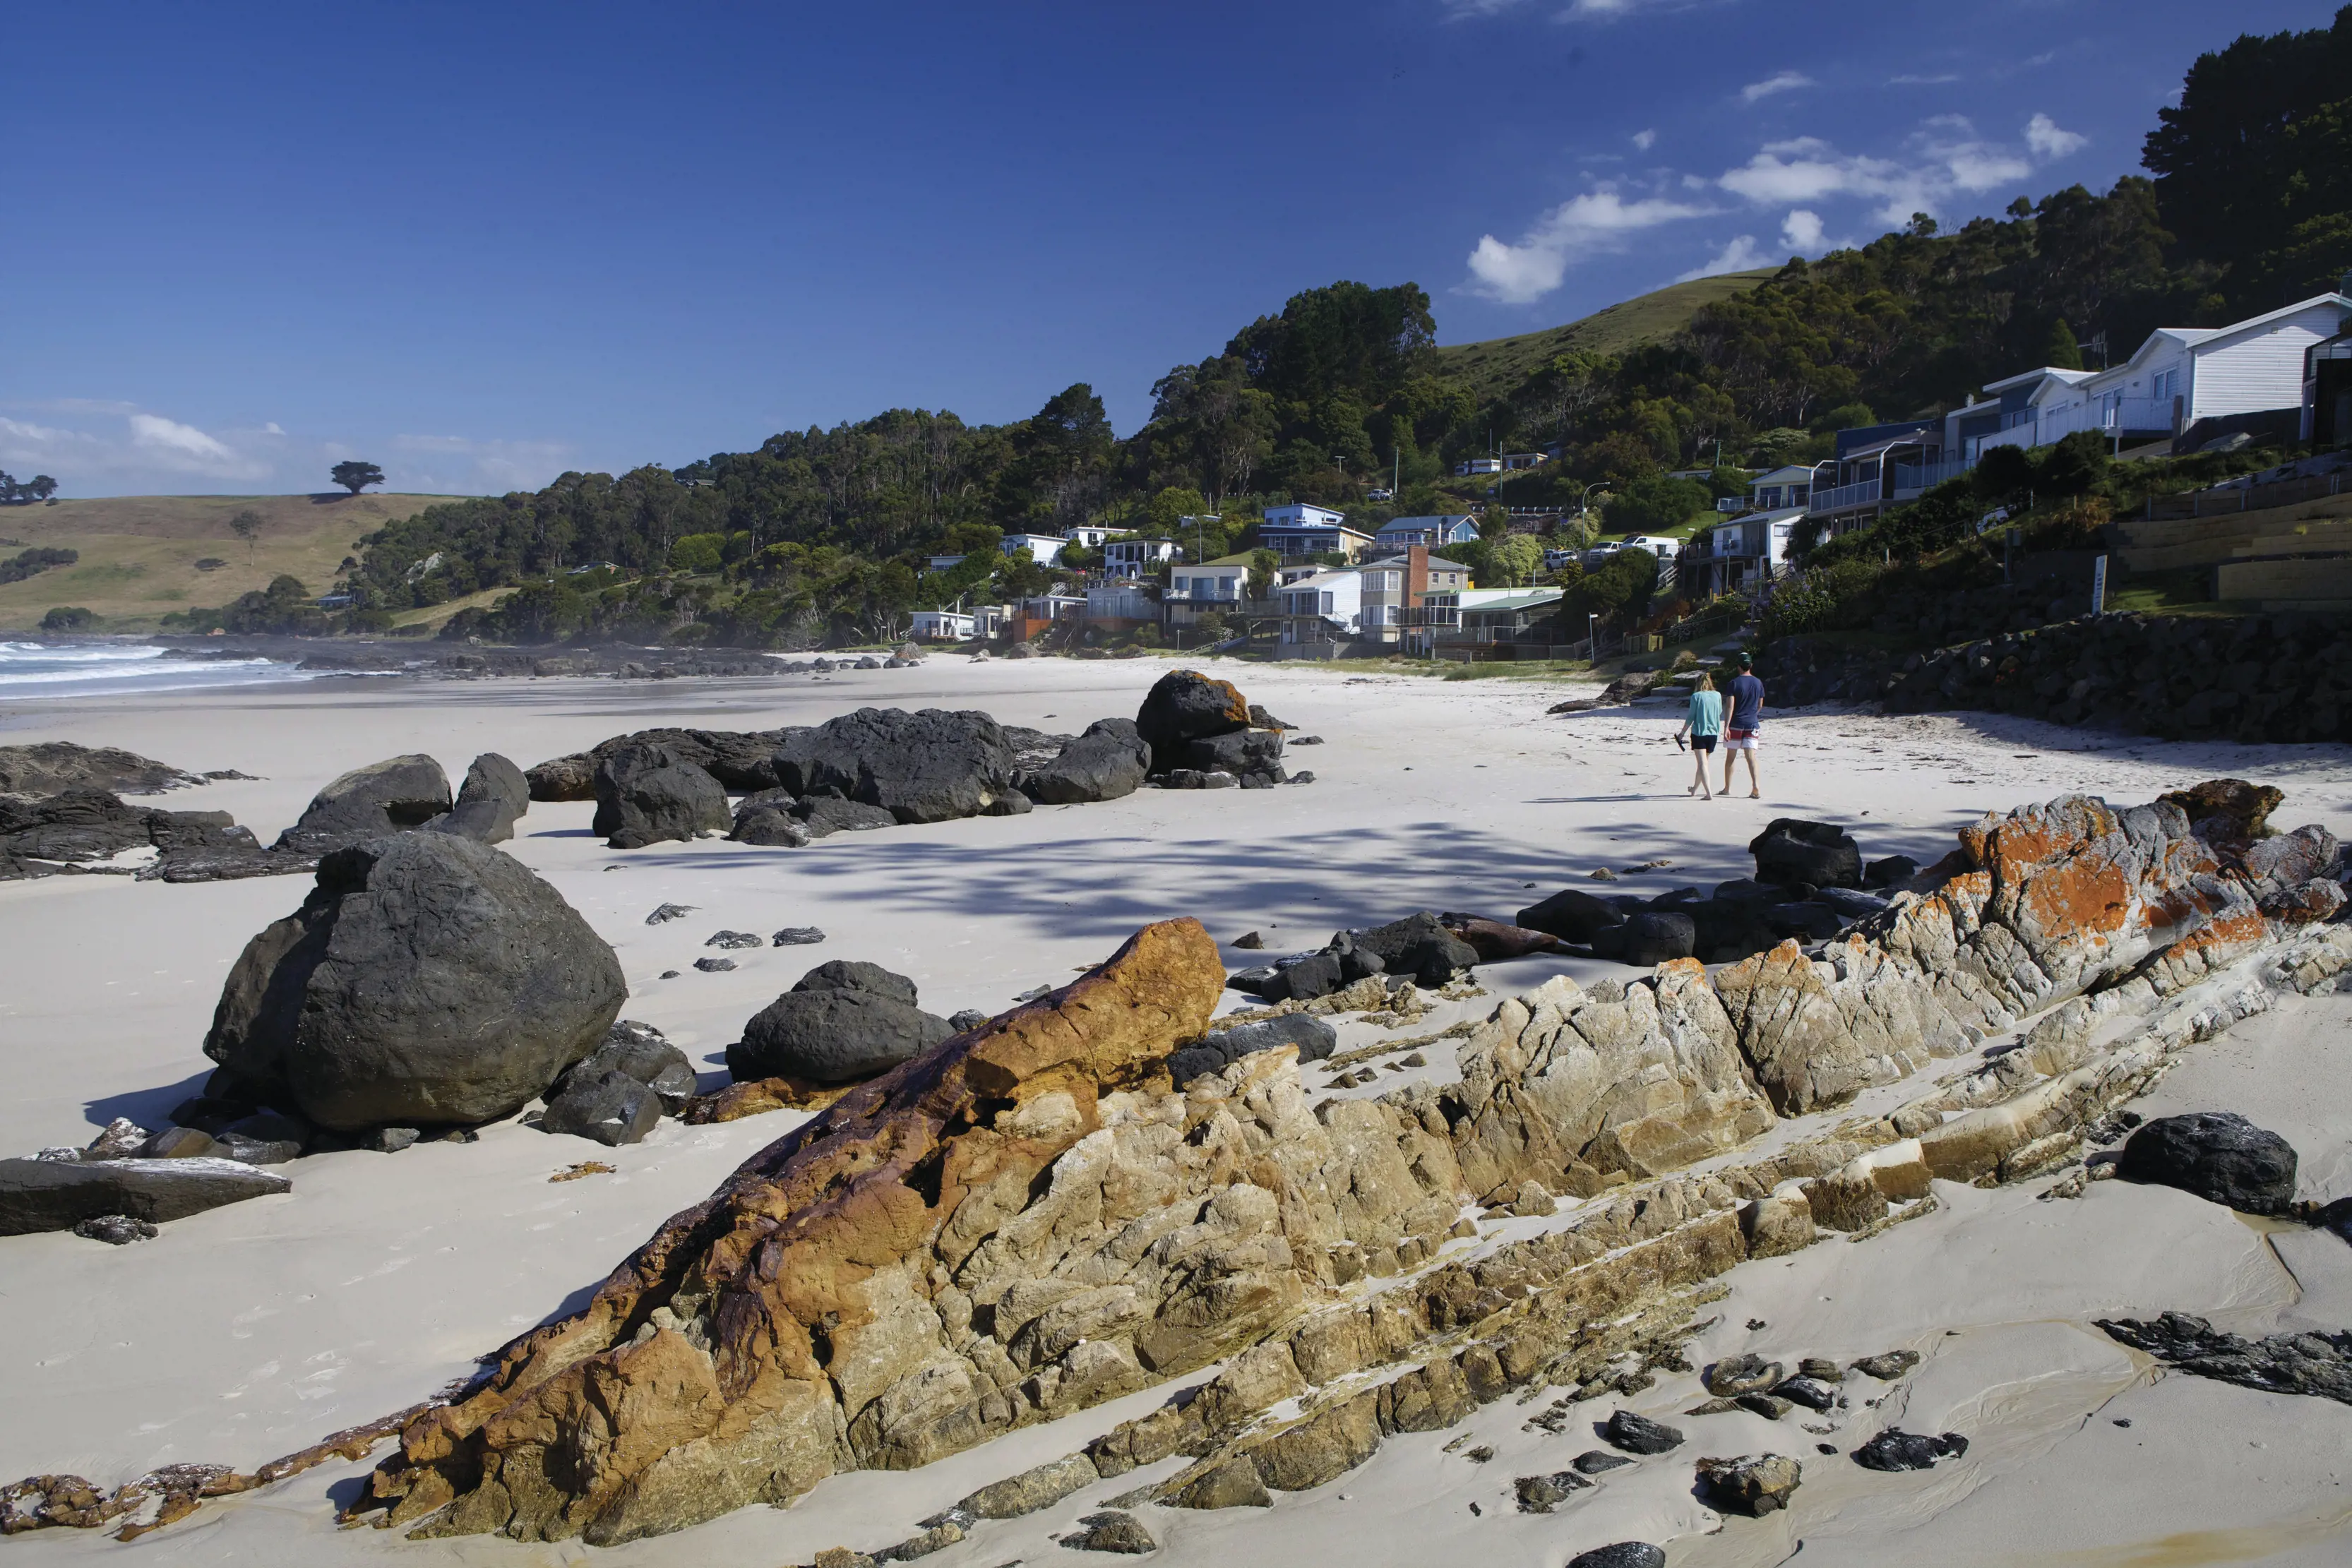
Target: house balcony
[
  {"x": 1845, "y": 498},
  {"x": 2112, "y": 417},
  {"x": 1913, "y": 479}
]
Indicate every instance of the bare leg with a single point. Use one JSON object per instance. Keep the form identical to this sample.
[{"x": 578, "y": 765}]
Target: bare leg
[
  {"x": 1728, "y": 757},
  {"x": 1698, "y": 780},
  {"x": 1755, "y": 784}
]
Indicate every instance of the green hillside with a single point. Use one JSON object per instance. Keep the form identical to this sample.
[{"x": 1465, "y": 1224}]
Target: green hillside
[
  {"x": 138, "y": 552},
  {"x": 1499, "y": 364}
]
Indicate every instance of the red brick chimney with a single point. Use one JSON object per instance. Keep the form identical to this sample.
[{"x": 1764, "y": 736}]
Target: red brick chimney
[{"x": 1416, "y": 575}]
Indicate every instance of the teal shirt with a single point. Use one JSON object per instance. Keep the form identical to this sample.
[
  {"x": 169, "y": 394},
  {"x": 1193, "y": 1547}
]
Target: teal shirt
[{"x": 1707, "y": 713}]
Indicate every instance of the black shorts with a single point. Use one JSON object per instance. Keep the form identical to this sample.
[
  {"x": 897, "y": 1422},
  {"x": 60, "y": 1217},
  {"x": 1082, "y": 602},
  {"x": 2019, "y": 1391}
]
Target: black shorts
[{"x": 1702, "y": 744}]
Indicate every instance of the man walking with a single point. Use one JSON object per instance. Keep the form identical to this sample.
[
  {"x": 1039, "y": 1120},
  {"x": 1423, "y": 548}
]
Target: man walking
[{"x": 1741, "y": 733}]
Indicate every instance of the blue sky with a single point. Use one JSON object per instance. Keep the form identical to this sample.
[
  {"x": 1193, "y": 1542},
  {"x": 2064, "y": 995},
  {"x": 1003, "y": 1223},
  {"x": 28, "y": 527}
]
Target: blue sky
[{"x": 482, "y": 244}]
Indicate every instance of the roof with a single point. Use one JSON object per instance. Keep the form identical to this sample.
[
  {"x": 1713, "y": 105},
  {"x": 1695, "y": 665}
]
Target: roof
[
  {"x": 1873, "y": 449},
  {"x": 1242, "y": 559},
  {"x": 1330, "y": 577},
  {"x": 1786, "y": 473},
  {"x": 1436, "y": 563},
  {"x": 2049, "y": 372},
  {"x": 2195, "y": 338},
  {"x": 1318, "y": 524},
  {"x": 1448, "y": 517},
  {"x": 1510, "y": 598}
]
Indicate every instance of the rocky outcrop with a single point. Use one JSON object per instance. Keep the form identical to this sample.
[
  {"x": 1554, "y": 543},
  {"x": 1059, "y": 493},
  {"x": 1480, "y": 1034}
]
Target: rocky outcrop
[
  {"x": 2319, "y": 1364},
  {"x": 1110, "y": 759},
  {"x": 1563, "y": 1084},
  {"x": 1032, "y": 1217},
  {"x": 425, "y": 980},
  {"x": 80, "y": 826},
  {"x": 55, "y": 1195},
  {"x": 54, "y": 766},
  {"x": 492, "y": 799},
  {"x": 367, "y": 802},
  {"x": 930, "y": 766},
  {"x": 646, "y": 794},
  {"x": 1183, "y": 707},
  {"x": 842, "y": 1021}
]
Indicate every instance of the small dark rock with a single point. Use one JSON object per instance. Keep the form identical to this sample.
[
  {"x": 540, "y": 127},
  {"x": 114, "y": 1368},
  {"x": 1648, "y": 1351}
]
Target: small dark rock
[
  {"x": 797, "y": 936},
  {"x": 1620, "y": 1555},
  {"x": 1639, "y": 1433},
  {"x": 390, "y": 1140},
  {"x": 1737, "y": 1374},
  {"x": 1886, "y": 873},
  {"x": 1895, "y": 1450},
  {"x": 1818, "y": 854},
  {"x": 1110, "y": 1530},
  {"x": 734, "y": 940},
  {"x": 1317, "y": 974},
  {"x": 1807, "y": 1392},
  {"x": 1598, "y": 1461},
  {"x": 969, "y": 1019},
  {"x": 1752, "y": 1484},
  {"x": 669, "y": 912},
  {"x": 1885, "y": 1366},
  {"x": 1538, "y": 1493},
  {"x": 842, "y": 1021},
  {"x": 116, "y": 1229}
]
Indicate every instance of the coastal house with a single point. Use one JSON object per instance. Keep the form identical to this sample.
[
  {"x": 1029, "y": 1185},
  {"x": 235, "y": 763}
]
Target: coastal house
[
  {"x": 1435, "y": 533},
  {"x": 1508, "y": 615},
  {"x": 2186, "y": 383},
  {"x": 1121, "y": 604},
  {"x": 1087, "y": 536},
  {"x": 943, "y": 626},
  {"x": 1323, "y": 607},
  {"x": 2327, "y": 391},
  {"x": 1220, "y": 585},
  {"x": 1406, "y": 598},
  {"x": 1297, "y": 531},
  {"x": 1470, "y": 465},
  {"x": 1137, "y": 558},
  {"x": 1519, "y": 462},
  {"x": 1875, "y": 466},
  {"x": 1747, "y": 549},
  {"x": 1039, "y": 613},
  {"x": 1789, "y": 486},
  {"x": 942, "y": 562},
  {"x": 1046, "y": 550}
]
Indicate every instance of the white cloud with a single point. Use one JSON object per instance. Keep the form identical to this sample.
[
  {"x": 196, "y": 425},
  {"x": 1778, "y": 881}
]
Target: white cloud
[
  {"x": 1598, "y": 221},
  {"x": 1742, "y": 254},
  {"x": 1801, "y": 231},
  {"x": 1786, "y": 81},
  {"x": 2047, "y": 141},
  {"x": 1459, "y": 10},
  {"x": 1922, "y": 81},
  {"x": 1644, "y": 139},
  {"x": 271, "y": 428},
  {"x": 173, "y": 440},
  {"x": 1945, "y": 158}
]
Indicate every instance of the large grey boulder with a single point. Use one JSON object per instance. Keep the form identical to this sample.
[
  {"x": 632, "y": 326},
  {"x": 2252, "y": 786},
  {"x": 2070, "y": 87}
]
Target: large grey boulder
[
  {"x": 1110, "y": 759},
  {"x": 425, "y": 980},
  {"x": 52, "y": 766},
  {"x": 843, "y": 1021},
  {"x": 647, "y": 794},
  {"x": 738, "y": 759},
  {"x": 2219, "y": 1155},
  {"x": 1184, "y": 706},
  {"x": 930, "y": 766},
  {"x": 1312, "y": 1037},
  {"x": 57, "y": 1195},
  {"x": 1571, "y": 915},
  {"x": 493, "y": 797},
  {"x": 1418, "y": 945},
  {"x": 382, "y": 798},
  {"x": 1818, "y": 854}
]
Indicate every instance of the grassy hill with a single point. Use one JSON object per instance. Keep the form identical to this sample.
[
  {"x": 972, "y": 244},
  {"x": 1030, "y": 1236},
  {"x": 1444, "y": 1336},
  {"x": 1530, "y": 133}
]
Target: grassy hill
[
  {"x": 139, "y": 553},
  {"x": 1496, "y": 366}
]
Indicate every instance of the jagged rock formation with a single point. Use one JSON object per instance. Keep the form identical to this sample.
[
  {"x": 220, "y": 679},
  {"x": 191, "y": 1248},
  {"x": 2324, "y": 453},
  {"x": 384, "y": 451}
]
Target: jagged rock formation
[
  {"x": 381, "y": 798},
  {"x": 1031, "y": 1218},
  {"x": 54, "y": 766}
]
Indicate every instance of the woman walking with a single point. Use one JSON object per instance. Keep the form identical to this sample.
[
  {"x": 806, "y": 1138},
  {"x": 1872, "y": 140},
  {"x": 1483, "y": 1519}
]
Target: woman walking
[{"x": 1702, "y": 723}]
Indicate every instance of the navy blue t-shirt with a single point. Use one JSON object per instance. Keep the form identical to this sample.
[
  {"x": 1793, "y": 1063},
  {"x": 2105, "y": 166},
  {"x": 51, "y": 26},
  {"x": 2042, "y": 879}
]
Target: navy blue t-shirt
[{"x": 1746, "y": 702}]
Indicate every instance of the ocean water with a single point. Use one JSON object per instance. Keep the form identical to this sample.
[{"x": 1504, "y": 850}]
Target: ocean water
[{"x": 40, "y": 671}]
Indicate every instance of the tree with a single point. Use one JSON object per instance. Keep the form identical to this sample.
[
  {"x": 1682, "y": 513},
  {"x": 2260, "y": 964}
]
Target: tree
[
  {"x": 1516, "y": 556},
  {"x": 2062, "y": 352},
  {"x": 1655, "y": 504},
  {"x": 355, "y": 476},
  {"x": 68, "y": 618},
  {"x": 247, "y": 526}
]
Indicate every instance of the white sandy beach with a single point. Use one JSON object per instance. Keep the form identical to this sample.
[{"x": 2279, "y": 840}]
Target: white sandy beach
[{"x": 251, "y": 1330}]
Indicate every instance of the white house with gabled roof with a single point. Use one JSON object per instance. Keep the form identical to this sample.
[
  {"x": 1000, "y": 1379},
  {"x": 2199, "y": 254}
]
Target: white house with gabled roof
[{"x": 2179, "y": 376}]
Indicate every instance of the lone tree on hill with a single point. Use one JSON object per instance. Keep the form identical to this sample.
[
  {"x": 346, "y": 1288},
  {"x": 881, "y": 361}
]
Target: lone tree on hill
[
  {"x": 247, "y": 526},
  {"x": 355, "y": 476}
]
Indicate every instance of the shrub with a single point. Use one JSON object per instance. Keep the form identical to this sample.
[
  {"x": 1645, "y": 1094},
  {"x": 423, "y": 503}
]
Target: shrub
[{"x": 68, "y": 618}]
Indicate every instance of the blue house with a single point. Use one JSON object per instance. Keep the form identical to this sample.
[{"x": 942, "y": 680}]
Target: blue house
[{"x": 1433, "y": 533}]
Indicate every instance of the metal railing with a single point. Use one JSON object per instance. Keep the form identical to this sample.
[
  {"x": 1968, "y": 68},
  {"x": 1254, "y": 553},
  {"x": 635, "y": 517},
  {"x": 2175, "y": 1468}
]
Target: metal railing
[
  {"x": 1911, "y": 479},
  {"x": 1838, "y": 497}
]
